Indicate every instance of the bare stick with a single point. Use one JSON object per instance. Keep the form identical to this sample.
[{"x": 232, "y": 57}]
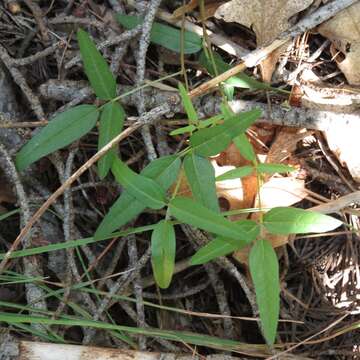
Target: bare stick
[
  {"x": 39, "y": 17},
  {"x": 39, "y": 55},
  {"x": 140, "y": 72},
  {"x": 22, "y": 83},
  {"x": 32, "y": 266},
  {"x": 24, "y": 124}
]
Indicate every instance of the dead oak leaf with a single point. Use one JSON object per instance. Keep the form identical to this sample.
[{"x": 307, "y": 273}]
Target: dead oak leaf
[
  {"x": 344, "y": 32},
  {"x": 268, "y": 18}
]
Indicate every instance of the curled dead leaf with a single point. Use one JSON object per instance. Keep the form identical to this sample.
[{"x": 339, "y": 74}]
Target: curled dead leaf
[
  {"x": 344, "y": 32},
  {"x": 268, "y": 19}
]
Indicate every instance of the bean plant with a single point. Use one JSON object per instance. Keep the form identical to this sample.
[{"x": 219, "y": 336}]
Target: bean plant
[{"x": 149, "y": 189}]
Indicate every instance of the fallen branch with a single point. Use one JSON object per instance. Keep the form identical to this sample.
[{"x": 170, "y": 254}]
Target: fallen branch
[{"x": 300, "y": 117}]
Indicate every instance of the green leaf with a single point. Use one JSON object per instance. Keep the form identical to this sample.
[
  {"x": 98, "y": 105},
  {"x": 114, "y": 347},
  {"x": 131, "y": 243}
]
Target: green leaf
[
  {"x": 61, "y": 131},
  {"x": 195, "y": 214},
  {"x": 211, "y": 141},
  {"x": 236, "y": 173},
  {"x": 165, "y": 35},
  {"x": 244, "y": 146},
  {"x": 97, "y": 70},
  {"x": 229, "y": 91},
  {"x": 274, "y": 168},
  {"x": 163, "y": 249},
  {"x": 111, "y": 123},
  {"x": 214, "y": 120},
  {"x": 201, "y": 177},
  {"x": 202, "y": 124},
  {"x": 221, "y": 246},
  {"x": 247, "y": 82},
  {"x": 183, "y": 130},
  {"x": 9, "y": 213},
  {"x": 226, "y": 111},
  {"x": 206, "y": 62},
  {"x": 288, "y": 220},
  {"x": 264, "y": 269},
  {"x": 164, "y": 171},
  {"x": 124, "y": 209},
  {"x": 188, "y": 106},
  {"x": 241, "y": 80},
  {"x": 142, "y": 188},
  {"x": 184, "y": 337}
]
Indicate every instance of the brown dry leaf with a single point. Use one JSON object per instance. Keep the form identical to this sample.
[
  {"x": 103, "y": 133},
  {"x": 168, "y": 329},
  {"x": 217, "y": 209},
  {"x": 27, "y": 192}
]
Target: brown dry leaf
[
  {"x": 227, "y": 190},
  {"x": 180, "y": 11},
  {"x": 285, "y": 144},
  {"x": 267, "y": 18},
  {"x": 210, "y": 8},
  {"x": 268, "y": 65},
  {"x": 230, "y": 192},
  {"x": 344, "y": 32}
]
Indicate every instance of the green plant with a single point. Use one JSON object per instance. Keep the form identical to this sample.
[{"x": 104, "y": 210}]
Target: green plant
[{"x": 150, "y": 188}]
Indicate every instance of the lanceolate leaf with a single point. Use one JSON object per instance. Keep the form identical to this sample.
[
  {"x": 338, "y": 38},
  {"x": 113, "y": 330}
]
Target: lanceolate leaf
[
  {"x": 226, "y": 110},
  {"x": 229, "y": 91},
  {"x": 195, "y": 214},
  {"x": 183, "y": 130},
  {"x": 202, "y": 124},
  {"x": 111, "y": 124},
  {"x": 96, "y": 68},
  {"x": 125, "y": 208},
  {"x": 274, "y": 168},
  {"x": 163, "y": 249},
  {"x": 264, "y": 269},
  {"x": 244, "y": 146},
  {"x": 165, "y": 35},
  {"x": 142, "y": 188},
  {"x": 221, "y": 246},
  {"x": 236, "y": 173},
  {"x": 184, "y": 337},
  {"x": 201, "y": 177},
  {"x": 211, "y": 121},
  {"x": 288, "y": 220},
  {"x": 211, "y": 141},
  {"x": 188, "y": 106},
  {"x": 164, "y": 171},
  {"x": 214, "y": 249},
  {"x": 61, "y": 131}
]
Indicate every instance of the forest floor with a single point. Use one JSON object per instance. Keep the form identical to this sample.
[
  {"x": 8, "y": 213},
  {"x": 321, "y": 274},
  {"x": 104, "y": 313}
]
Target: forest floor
[{"x": 308, "y": 90}]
